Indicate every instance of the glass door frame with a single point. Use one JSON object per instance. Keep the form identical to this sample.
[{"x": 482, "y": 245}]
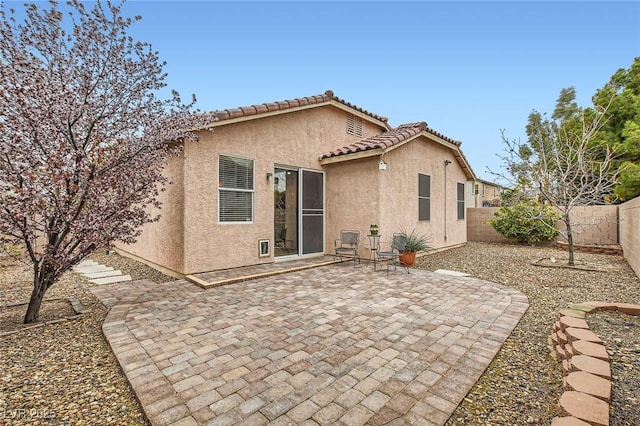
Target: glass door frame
[
  {"x": 287, "y": 255},
  {"x": 299, "y": 213}
]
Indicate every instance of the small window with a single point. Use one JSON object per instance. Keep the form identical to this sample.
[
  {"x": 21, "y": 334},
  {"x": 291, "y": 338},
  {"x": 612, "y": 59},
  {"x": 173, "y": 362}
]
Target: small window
[
  {"x": 354, "y": 125},
  {"x": 235, "y": 188},
  {"x": 424, "y": 197},
  {"x": 460, "y": 201}
]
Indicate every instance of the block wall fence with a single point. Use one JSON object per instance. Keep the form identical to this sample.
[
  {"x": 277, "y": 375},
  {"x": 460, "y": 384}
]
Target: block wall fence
[{"x": 594, "y": 225}]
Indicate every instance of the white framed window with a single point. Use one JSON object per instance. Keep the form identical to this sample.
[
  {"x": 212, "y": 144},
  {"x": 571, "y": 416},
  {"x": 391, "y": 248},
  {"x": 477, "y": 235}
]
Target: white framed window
[
  {"x": 235, "y": 189},
  {"x": 424, "y": 197},
  {"x": 460, "y": 200}
]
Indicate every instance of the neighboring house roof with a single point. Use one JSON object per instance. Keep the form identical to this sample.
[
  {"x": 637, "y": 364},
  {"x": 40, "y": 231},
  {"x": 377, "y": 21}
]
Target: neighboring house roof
[
  {"x": 497, "y": 185},
  {"x": 225, "y": 116}
]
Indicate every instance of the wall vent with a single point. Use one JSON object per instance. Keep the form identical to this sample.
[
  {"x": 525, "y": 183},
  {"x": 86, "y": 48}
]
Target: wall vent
[{"x": 354, "y": 125}]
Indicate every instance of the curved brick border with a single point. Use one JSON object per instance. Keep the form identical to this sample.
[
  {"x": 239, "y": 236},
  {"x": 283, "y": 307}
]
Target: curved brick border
[{"x": 585, "y": 365}]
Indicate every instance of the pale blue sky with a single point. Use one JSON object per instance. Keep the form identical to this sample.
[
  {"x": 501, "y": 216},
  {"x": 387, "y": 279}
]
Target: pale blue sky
[{"x": 468, "y": 69}]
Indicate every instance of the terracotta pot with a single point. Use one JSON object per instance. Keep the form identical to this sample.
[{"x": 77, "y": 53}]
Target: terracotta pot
[{"x": 408, "y": 258}]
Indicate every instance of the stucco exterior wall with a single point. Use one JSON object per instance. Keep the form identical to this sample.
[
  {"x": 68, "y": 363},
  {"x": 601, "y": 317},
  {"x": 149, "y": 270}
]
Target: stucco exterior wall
[
  {"x": 161, "y": 243},
  {"x": 294, "y": 139},
  {"x": 352, "y": 200},
  {"x": 190, "y": 239},
  {"x": 359, "y": 194},
  {"x": 630, "y": 232},
  {"x": 399, "y": 190}
]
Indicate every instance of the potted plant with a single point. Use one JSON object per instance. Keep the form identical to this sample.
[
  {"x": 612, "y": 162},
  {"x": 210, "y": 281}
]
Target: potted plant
[
  {"x": 415, "y": 242},
  {"x": 373, "y": 229}
]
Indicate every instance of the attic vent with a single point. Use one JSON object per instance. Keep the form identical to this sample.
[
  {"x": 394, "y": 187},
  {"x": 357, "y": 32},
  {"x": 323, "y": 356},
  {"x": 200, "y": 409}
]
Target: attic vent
[{"x": 354, "y": 125}]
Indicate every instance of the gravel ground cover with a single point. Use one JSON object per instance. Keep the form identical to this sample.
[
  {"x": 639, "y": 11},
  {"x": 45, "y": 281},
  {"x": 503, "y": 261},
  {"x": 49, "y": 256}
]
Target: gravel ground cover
[
  {"x": 621, "y": 335},
  {"x": 523, "y": 384},
  {"x": 66, "y": 374}
]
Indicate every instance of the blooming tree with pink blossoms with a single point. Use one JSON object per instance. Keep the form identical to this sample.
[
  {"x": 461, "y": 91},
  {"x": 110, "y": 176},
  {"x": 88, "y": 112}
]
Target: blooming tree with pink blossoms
[{"x": 84, "y": 135}]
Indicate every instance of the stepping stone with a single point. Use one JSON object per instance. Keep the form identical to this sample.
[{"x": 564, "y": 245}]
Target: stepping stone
[
  {"x": 103, "y": 274},
  {"x": 85, "y": 263},
  {"x": 111, "y": 280},
  {"x": 453, "y": 273},
  {"x": 93, "y": 268}
]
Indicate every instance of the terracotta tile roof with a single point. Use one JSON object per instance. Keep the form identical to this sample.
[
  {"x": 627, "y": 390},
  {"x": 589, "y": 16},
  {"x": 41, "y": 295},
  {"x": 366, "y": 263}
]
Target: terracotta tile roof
[
  {"x": 387, "y": 139},
  {"x": 382, "y": 141},
  {"x": 246, "y": 111}
]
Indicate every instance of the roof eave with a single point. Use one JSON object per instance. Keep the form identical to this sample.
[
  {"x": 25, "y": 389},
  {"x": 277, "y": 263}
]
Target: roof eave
[
  {"x": 351, "y": 156},
  {"x": 261, "y": 115}
]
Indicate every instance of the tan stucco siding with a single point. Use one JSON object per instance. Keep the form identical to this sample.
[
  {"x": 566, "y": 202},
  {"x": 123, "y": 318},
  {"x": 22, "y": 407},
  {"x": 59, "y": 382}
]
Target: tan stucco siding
[
  {"x": 359, "y": 193},
  {"x": 399, "y": 191},
  {"x": 295, "y": 139},
  {"x": 161, "y": 242},
  {"x": 353, "y": 200}
]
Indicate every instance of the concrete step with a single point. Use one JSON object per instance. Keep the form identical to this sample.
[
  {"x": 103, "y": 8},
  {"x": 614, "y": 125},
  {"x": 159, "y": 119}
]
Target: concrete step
[
  {"x": 104, "y": 274},
  {"x": 111, "y": 280},
  {"x": 90, "y": 269},
  {"x": 86, "y": 262}
]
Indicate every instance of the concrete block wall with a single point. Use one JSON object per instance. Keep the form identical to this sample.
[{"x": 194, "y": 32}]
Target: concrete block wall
[
  {"x": 478, "y": 230},
  {"x": 630, "y": 232},
  {"x": 592, "y": 225}
]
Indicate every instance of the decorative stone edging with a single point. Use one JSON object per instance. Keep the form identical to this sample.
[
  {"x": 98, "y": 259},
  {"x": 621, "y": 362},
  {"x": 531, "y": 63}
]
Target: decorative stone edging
[
  {"x": 585, "y": 365},
  {"x": 610, "y": 249},
  {"x": 76, "y": 305}
]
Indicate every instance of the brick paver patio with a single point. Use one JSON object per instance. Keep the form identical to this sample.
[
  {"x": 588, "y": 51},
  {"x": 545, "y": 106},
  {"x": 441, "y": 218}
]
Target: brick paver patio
[{"x": 331, "y": 345}]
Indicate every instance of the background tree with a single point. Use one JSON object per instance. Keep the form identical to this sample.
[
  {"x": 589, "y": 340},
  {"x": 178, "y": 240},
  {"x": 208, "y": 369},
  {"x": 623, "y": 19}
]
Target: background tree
[
  {"x": 82, "y": 135},
  {"x": 621, "y": 132},
  {"x": 561, "y": 164}
]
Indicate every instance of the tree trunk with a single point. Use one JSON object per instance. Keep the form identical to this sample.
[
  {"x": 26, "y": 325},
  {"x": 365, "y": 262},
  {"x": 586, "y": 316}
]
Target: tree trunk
[
  {"x": 40, "y": 287},
  {"x": 569, "y": 240}
]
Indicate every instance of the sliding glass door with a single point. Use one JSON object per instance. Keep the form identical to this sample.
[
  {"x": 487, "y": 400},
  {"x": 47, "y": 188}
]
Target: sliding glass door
[{"x": 298, "y": 211}]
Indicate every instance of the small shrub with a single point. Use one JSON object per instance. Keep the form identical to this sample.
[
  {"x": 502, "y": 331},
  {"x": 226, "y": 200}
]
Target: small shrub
[
  {"x": 528, "y": 221},
  {"x": 415, "y": 241}
]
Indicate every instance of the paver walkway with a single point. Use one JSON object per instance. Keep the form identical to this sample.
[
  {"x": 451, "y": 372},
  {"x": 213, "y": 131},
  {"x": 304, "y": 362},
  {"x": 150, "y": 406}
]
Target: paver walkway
[{"x": 332, "y": 345}]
